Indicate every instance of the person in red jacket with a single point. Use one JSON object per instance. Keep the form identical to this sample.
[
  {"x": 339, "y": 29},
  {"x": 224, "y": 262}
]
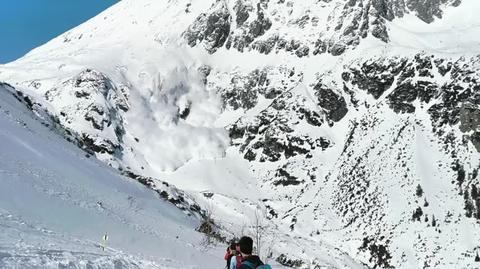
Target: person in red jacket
[
  {"x": 231, "y": 252},
  {"x": 236, "y": 261},
  {"x": 233, "y": 256}
]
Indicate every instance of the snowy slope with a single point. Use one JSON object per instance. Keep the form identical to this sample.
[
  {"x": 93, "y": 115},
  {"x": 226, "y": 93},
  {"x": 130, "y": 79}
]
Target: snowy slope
[
  {"x": 323, "y": 117},
  {"x": 56, "y": 204}
]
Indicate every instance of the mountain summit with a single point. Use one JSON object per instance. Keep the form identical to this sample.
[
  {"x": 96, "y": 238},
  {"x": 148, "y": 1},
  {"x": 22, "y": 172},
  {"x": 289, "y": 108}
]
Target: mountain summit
[{"x": 349, "y": 128}]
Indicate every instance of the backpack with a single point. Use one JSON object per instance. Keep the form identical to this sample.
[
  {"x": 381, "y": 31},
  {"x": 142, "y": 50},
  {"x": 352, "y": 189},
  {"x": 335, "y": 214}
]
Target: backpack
[
  {"x": 239, "y": 261},
  {"x": 229, "y": 257},
  {"x": 252, "y": 266}
]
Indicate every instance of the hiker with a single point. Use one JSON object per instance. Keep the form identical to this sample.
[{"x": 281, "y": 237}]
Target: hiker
[
  {"x": 228, "y": 255},
  {"x": 236, "y": 261},
  {"x": 233, "y": 256},
  {"x": 249, "y": 261},
  {"x": 231, "y": 252}
]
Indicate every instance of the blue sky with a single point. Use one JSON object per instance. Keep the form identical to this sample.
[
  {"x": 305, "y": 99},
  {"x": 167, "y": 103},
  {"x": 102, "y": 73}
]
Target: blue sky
[{"x": 26, "y": 24}]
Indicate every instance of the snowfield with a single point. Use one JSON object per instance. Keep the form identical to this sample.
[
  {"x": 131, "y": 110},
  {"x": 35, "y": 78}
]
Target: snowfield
[
  {"x": 350, "y": 130},
  {"x": 57, "y": 203}
]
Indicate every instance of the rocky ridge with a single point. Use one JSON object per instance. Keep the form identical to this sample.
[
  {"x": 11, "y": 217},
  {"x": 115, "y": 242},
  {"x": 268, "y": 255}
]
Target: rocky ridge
[{"x": 269, "y": 26}]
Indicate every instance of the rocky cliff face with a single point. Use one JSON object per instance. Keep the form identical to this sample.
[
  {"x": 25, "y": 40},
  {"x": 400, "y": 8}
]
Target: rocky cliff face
[
  {"x": 90, "y": 107},
  {"x": 313, "y": 26},
  {"x": 390, "y": 103}
]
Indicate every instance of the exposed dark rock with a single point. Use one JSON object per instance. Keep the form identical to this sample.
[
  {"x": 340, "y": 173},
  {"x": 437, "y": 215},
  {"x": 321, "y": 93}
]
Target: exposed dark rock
[
  {"x": 259, "y": 26},
  {"x": 285, "y": 261},
  {"x": 470, "y": 122},
  {"x": 98, "y": 102},
  {"x": 92, "y": 146},
  {"x": 320, "y": 47},
  {"x": 21, "y": 97},
  {"x": 302, "y": 51},
  {"x": 379, "y": 254},
  {"x": 423, "y": 65},
  {"x": 82, "y": 94},
  {"x": 469, "y": 118},
  {"x": 247, "y": 32},
  {"x": 245, "y": 89},
  {"x": 417, "y": 214},
  {"x": 376, "y": 76},
  {"x": 337, "y": 49},
  {"x": 285, "y": 179},
  {"x": 443, "y": 66},
  {"x": 427, "y": 10},
  {"x": 208, "y": 194},
  {"x": 402, "y": 97},
  {"x": 351, "y": 23},
  {"x": 211, "y": 28},
  {"x": 94, "y": 115},
  {"x": 312, "y": 117},
  {"x": 265, "y": 46},
  {"x": 242, "y": 11},
  {"x": 426, "y": 91},
  {"x": 250, "y": 155},
  {"x": 333, "y": 103},
  {"x": 475, "y": 138},
  {"x": 183, "y": 114}
]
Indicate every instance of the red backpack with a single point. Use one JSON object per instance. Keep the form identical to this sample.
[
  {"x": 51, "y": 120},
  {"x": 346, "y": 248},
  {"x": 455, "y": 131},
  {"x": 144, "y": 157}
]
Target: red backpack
[{"x": 239, "y": 261}]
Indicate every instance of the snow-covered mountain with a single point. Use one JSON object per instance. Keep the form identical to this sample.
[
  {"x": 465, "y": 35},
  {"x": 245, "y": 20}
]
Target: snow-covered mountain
[
  {"x": 350, "y": 127},
  {"x": 57, "y": 202}
]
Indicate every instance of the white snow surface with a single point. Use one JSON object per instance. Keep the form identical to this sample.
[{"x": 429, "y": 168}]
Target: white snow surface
[
  {"x": 137, "y": 44},
  {"x": 56, "y": 204}
]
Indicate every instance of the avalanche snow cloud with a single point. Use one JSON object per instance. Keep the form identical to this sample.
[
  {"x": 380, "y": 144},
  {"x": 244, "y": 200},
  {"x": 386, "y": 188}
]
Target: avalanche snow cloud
[{"x": 350, "y": 129}]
